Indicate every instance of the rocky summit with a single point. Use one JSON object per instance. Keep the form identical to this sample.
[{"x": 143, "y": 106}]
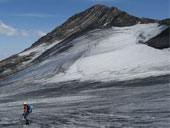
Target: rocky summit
[{"x": 94, "y": 17}]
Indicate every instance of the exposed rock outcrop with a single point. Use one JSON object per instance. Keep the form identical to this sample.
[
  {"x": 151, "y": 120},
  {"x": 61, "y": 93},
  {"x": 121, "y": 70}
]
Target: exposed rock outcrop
[{"x": 161, "y": 41}]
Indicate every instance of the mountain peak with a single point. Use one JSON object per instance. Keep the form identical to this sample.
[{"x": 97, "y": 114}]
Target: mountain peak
[
  {"x": 99, "y": 6},
  {"x": 95, "y": 16}
]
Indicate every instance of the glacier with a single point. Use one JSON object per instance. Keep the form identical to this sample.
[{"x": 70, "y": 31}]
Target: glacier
[
  {"x": 105, "y": 78},
  {"x": 102, "y": 54},
  {"x": 120, "y": 56}
]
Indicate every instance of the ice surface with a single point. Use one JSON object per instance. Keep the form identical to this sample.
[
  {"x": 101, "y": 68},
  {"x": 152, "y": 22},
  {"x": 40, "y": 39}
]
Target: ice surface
[
  {"x": 120, "y": 56},
  {"x": 102, "y": 55},
  {"x": 138, "y": 103}
]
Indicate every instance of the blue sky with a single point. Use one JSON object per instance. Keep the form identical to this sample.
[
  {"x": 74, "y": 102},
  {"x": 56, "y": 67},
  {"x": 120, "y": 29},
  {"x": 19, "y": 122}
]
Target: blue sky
[{"x": 22, "y": 22}]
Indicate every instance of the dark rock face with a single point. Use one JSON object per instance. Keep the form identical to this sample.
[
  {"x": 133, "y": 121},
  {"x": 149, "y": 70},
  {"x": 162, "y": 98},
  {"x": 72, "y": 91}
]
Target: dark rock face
[{"x": 161, "y": 41}]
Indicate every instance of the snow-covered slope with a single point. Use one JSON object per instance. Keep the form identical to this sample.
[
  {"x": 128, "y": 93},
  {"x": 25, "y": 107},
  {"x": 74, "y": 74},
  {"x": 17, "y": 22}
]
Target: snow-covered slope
[
  {"x": 119, "y": 55},
  {"x": 38, "y": 50},
  {"x": 78, "y": 36},
  {"x": 22, "y": 60},
  {"x": 114, "y": 53}
]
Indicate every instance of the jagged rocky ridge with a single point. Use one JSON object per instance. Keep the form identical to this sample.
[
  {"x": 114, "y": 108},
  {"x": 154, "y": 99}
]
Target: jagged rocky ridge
[{"x": 98, "y": 16}]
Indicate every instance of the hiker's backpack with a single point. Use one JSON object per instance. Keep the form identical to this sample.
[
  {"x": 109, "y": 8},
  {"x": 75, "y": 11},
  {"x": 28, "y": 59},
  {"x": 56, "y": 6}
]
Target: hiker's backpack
[{"x": 30, "y": 107}]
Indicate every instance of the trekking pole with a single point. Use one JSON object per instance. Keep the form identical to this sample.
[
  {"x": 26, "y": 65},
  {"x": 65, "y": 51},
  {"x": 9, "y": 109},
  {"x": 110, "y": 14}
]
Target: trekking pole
[{"x": 22, "y": 116}]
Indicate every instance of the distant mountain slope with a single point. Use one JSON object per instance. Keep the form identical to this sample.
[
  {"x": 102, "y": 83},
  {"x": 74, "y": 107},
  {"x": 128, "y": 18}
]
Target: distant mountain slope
[{"x": 60, "y": 39}]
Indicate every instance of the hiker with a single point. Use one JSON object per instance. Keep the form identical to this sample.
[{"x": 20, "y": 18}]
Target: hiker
[{"x": 27, "y": 110}]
